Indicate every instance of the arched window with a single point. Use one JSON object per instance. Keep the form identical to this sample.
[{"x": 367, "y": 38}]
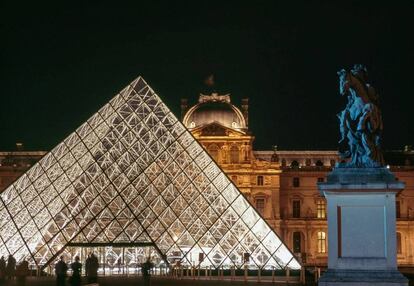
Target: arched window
[
  {"x": 399, "y": 246},
  {"x": 234, "y": 154},
  {"x": 213, "y": 150},
  {"x": 308, "y": 162},
  {"x": 283, "y": 162},
  {"x": 297, "y": 239},
  {"x": 319, "y": 163},
  {"x": 294, "y": 164},
  {"x": 321, "y": 242}
]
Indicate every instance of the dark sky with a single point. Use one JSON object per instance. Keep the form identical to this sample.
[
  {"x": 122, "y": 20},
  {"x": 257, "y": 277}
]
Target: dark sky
[{"x": 61, "y": 63}]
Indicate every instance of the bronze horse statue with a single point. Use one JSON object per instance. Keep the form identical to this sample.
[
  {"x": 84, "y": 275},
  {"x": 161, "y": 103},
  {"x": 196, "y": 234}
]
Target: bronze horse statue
[{"x": 361, "y": 120}]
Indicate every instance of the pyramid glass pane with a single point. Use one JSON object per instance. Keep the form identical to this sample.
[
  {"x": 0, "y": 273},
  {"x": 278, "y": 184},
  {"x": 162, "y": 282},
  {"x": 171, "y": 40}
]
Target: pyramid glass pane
[{"x": 132, "y": 175}]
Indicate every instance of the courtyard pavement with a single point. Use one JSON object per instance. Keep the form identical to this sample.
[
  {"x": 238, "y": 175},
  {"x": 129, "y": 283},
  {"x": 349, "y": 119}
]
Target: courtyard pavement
[
  {"x": 156, "y": 281},
  {"x": 167, "y": 281}
]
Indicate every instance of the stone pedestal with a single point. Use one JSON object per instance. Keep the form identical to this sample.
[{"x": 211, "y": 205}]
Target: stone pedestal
[{"x": 361, "y": 227}]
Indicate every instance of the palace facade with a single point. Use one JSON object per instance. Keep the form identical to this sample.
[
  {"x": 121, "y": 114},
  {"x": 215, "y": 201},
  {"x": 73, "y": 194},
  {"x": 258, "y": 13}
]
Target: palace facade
[{"x": 282, "y": 185}]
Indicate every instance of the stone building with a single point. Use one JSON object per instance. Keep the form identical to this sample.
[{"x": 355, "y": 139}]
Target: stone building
[
  {"x": 282, "y": 185},
  {"x": 14, "y": 163}
]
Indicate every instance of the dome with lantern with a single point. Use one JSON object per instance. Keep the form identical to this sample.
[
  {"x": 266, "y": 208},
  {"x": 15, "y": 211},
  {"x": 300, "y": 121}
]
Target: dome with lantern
[{"x": 215, "y": 108}]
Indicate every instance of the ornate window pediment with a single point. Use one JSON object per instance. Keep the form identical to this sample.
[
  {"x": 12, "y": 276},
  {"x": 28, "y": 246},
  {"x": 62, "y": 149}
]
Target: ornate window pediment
[{"x": 214, "y": 130}]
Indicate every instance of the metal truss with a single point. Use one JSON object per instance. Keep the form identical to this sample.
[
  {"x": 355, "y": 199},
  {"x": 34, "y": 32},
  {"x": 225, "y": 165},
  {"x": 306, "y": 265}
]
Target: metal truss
[{"x": 133, "y": 174}]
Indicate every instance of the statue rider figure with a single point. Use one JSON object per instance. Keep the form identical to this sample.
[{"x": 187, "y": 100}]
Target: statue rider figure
[{"x": 360, "y": 121}]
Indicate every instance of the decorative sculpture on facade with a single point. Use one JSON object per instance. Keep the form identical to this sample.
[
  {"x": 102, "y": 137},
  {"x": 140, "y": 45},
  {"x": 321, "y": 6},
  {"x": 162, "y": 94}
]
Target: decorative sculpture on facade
[{"x": 360, "y": 122}]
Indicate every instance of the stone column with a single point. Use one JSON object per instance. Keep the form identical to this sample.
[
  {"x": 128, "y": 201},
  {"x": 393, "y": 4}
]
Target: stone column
[{"x": 361, "y": 227}]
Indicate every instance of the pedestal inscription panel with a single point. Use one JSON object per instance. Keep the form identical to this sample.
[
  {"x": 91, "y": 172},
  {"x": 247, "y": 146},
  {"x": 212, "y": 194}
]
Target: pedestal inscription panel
[{"x": 362, "y": 232}]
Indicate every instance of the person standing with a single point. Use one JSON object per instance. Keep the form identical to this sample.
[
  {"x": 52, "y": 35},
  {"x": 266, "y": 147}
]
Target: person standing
[
  {"x": 146, "y": 271},
  {"x": 91, "y": 266},
  {"x": 75, "y": 279},
  {"x": 94, "y": 266},
  {"x": 61, "y": 269},
  {"x": 2, "y": 270},
  {"x": 11, "y": 267},
  {"x": 22, "y": 271},
  {"x": 88, "y": 268},
  {"x": 119, "y": 265}
]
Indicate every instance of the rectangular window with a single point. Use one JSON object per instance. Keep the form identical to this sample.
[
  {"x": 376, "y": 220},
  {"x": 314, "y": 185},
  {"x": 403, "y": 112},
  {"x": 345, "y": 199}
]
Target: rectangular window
[
  {"x": 260, "y": 205},
  {"x": 320, "y": 209},
  {"x": 397, "y": 209},
  {"x": 399, "y": 248},
  {"x": 260, "y": 180},
  {"x": 297, "y": 242},
  {"x": 321, "y": 242},
  {"x": 296, "y": 209},
  {"x": 321, "y": 180},
  {"x": 296, "y": 182},
  {"x": 234, "y": 179}
]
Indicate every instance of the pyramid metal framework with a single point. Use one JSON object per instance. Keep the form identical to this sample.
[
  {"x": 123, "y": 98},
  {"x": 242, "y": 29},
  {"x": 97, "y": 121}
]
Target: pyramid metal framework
[{"x": 133, "y": 174}]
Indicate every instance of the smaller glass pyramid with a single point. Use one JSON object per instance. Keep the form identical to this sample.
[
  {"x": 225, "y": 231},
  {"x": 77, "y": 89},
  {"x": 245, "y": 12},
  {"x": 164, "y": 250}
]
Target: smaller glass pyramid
[{"x": 133, "y": 175}]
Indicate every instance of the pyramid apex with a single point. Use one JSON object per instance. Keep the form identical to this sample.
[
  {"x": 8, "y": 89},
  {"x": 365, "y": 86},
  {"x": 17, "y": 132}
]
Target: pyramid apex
[{"x": 139, "y": 83}]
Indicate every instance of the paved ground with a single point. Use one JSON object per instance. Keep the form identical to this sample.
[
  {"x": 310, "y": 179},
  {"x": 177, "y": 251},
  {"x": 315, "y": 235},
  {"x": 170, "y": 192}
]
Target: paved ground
[{"x": 156, "y": 281}]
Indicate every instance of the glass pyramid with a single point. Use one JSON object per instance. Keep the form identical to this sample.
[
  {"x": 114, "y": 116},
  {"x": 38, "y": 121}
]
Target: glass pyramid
[{"x": 133, "y": 175}]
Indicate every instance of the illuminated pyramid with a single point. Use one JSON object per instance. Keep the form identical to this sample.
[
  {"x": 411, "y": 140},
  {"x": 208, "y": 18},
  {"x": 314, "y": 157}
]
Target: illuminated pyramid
[{"x": 133, "y": 175}]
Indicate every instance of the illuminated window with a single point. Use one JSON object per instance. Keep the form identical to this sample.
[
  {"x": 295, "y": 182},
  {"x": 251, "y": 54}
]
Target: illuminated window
[
  {"x": 297, "y": 242},
  {"x": 296, "y": 182},
  {"x": 296, "y": 209},
  {"x": 213, "y": 150},
  {"x": 321, "y": 242},
  {"x": 260, "y": 205},
  {"x": 260, "y": 180},
  {"x": 399, "y": 248},
  {"x": 397, "y": 209},
  {"x": 234, "y": 154},
  {"x": 320, "y": 209}
]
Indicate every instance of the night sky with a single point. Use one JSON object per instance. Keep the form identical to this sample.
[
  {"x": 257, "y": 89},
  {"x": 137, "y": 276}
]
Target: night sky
[{"x": 60, "y": 64}]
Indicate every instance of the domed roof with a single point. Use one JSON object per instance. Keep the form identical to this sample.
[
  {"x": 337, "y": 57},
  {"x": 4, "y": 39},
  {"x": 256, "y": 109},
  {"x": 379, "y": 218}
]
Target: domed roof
[{"x": 214, "y": 108}]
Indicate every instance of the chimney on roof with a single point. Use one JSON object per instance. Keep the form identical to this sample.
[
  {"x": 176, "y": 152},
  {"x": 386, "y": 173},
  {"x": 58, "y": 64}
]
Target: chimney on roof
[
  {"x": 245, "y": 110},
  {"x": 19, "y": 146},
  {"x": 184, "y": 107}
]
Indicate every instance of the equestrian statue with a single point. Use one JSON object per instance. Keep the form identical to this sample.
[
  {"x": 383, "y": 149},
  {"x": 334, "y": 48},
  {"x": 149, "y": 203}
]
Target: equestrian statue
[{"x": 360, "y": 122}]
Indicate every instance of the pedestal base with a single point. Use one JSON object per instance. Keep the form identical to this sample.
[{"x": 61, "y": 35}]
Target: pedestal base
[
  {"x": 361, "y": 227},
  {"x": 362, "y": 278}
]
